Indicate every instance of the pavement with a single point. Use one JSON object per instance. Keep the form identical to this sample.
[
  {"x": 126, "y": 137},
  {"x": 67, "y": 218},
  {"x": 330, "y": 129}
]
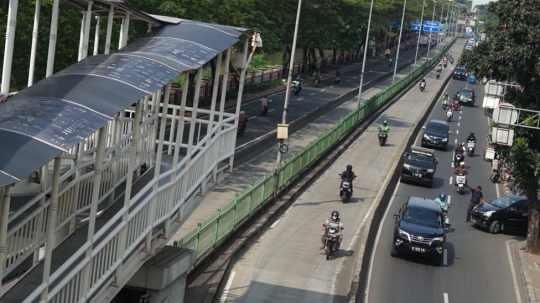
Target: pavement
[
  {"x": 478, "y": 266},
  {"x": 285, "y": 263}
]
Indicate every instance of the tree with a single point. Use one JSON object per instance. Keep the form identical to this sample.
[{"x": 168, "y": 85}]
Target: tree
[{"x": 511, "y": 53}]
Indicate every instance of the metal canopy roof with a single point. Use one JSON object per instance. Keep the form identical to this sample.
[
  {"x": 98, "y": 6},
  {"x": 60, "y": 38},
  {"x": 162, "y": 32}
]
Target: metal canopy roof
[
  {"x": 101, "y": 9},
  {"x": 45, "y": 120}
]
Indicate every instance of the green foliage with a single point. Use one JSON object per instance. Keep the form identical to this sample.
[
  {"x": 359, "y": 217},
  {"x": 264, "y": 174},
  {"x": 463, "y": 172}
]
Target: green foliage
[{"x": 258, "y": 61}]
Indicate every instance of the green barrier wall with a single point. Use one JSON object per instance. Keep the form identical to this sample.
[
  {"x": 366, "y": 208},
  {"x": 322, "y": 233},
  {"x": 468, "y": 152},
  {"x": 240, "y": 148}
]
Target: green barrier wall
[{"x": 215, "y": 229}]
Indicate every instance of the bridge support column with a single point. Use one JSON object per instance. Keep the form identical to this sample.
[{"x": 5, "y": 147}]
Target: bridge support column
[
  {"x": 75, "y": 163},
  {"x": 43, "y": 183},
  {"x": 96, "y": 36},
  {"x": 10, "y": 43},
  {"x": 51, "y": 224},
  {"x": 52, "y": 39},
  {"x": 109, "y": 30},
  {"x": 4, "y": 217},
  {"x": 35, "y": 34},
  {"x": 96, "y": 189},
  {"x": 174, "y": 197},
  {"x": 157, "y": 170},
  {"x": 240, "y": 91},
  {"x": 224, "y": 85},
  {"x": 210, "y": 126},
  {"x": 134, "y": 144},
  {"x": 81, "y": 36},
  {"x": 86, "y": 37},
  {"x": 116, "y": 134}
]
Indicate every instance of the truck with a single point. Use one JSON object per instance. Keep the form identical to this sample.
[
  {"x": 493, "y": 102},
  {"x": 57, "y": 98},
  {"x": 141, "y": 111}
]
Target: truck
[{"x": 424, "y": 40}]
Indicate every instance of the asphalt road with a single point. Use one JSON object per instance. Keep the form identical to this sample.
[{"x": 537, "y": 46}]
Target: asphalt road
[
  {"x": 307, "y": 100},
  {"x": 478, "y": 267},
  {"x": 286, "y": 264}
]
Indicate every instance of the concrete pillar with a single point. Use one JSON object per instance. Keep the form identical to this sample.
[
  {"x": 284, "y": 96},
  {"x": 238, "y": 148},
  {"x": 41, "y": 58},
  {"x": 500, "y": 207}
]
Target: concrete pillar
[
  {"x": 96, "y": 37},
  {"x": 52, "y": 39},
  {"x": 87, "y": 22},
  {"x": 33, "y": 50},
  {"x": 109, "y": 30},
  {"x": 10, "y": 43}
]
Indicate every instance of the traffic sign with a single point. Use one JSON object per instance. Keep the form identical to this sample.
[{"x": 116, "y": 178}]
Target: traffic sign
[
  {"x": 431, "y": 29},
  {"x": 432, "y": 23},
  {"x": 443, "y": 27},
  {"x": 415, "y": 27}
]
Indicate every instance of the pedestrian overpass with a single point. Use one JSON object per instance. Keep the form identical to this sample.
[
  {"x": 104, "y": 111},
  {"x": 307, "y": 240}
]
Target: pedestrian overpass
[{"x": 98, "y": 167}]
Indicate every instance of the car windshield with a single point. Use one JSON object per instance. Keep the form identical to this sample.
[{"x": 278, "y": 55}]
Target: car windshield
[
  {"x": 466, "y": 93},
  {"x": 502, "y": 202},
  {"x": 436, "y": 128},
  {"x": 460, "y": 70},
  {"x": 421, "y": 157},
  {"x": 422, "y": 216}
]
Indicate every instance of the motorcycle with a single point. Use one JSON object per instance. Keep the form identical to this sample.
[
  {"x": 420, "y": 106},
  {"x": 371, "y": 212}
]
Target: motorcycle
[
  {"x": 241, "y": 130},
  {"x": 445, "y": 104},
  {"x": 451, "y": 60},
  {"x": 461, "y": 179},
  {"x": 449, "y": 115},
  {"x": 317, "y": 82},
  {"x": 438, "y": 75},
  {"x": 445, "y": 64},
  {"x": 422, "y": 86},
  {"x": 455, "y": 105},
  {"x": 345, "y": 190},
  {"x": 296, "y": 88},
  {"x": 470, "y": 148},
  {"x": 382, "y": 137},
  {"x": 458, "y": 157},
  {"x": 264, "y": 110},
  {"x": 331, "y": 239},
  {"x": 494, "y": 177},
  {"x": 338, "y": 80}
]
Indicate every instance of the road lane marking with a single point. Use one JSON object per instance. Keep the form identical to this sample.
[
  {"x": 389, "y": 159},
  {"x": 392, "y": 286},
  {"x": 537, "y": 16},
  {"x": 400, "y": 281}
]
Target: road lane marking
[
  {"x": 354, "y": 77},
  {"x": 516, "y": 284},
  {"x": 331, "y": 86},
  {"x": 459, "y": 117},
  {"x": 223, "y": 298},
  {"x": 312, "y": 94},
  {"x": 292, "y": 205},
  {"x": 322, "y": 90},
  {"x": 449, "y": 198},
  {"x": 455, "y": 141},
  {"x": 445, "y": 295},
  {"x": 271, "y": 110},
  {"x": 497, "y": 190},
  {"x": 450, "y": 180},
  {"x": 300, "y": 99},
  {"x": 274, "y": 224},
  {"x": 445, "y": 263},
  {"x": 253, "y": 117},
  {"x": 452, "y": 165},
  {"x": 458, "y": 124},
  {"x": 457, "y": 131}
]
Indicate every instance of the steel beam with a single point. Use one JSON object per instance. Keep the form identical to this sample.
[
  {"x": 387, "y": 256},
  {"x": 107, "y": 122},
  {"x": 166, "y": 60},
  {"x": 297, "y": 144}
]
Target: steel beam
[
  {"x": 109, "y": 30},
  {"x": 4, "y": 219},
  {"x": 35, "y": 34},
  {"x": 96, "y": 37},
  {"x": 10, "y": 43}
]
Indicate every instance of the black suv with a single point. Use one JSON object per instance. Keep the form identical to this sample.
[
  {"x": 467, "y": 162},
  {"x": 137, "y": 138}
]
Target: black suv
[
  {"x": 420, "y": 230},
  {"x": 467, "y": 95},
  {"x": 460, "y": 73},
  {"x": 436, "y": 134},
  {"x": 419, "y": 165},
  {"x": 504, "y": 213}
]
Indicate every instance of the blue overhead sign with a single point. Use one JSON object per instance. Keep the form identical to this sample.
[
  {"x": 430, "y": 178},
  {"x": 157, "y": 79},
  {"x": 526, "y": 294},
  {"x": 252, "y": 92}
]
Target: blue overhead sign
[
  {"x": 432, "y": 23},
  {"x": 415, "y": 27},
  {"x": 431, "y": 29}
]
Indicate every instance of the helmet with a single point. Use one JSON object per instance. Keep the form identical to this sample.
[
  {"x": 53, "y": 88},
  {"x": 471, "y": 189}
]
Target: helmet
[
  {"x": 446, "y": 94},
  {"x": 471, "y": 134},
  {"x": 442, "y": 196},
  {"x": 384, "y": 123},
  {"x": 460, "y": 144},
  {"x": 462, "y": 164},
  {"x": 335, "y": 215},
  {"x": 242, "y": 113},
  {"x": 349, "y": 167}
]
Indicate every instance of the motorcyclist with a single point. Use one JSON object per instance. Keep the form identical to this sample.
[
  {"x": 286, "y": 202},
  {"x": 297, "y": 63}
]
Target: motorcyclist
[
  {"x": 423, "y": 81},
  {"x": 338, "y": 74},
  {"x": 334, "y": 218},
  {"x": 439, "y": 68},
  {"x": 314, "y": 77},
  {"x": 459, "y": 150},
  {"x": 299, "y": 78},
  {"x": 461, "y": 170},
  {"x": 264, "y": 101},
  {"x": 445, "y": 100},
  {"x": 471, "y": 137},
  {"x": 384, "y": 127},
  {"x": 442, "y": 201},
  {"x": 243, "y": 120},
  {"x": 348, "y": 174}
]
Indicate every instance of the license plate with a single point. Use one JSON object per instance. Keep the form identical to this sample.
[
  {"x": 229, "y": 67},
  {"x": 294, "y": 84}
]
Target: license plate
[
  {"x": 433, "y": 142},
  {"x": 418, "y": 249},
  {"x": 418, "y": 175}
]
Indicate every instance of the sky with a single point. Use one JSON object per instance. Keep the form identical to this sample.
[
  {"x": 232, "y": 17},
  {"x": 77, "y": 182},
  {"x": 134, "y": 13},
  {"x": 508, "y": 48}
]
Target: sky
[{"x": 479, "y": 2}]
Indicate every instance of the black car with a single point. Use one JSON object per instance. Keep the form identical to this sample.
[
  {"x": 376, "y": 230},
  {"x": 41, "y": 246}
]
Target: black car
[
  {"x": 460, "y": 73},
  {"x": 436, "y": 134},
  {"x": 420, "y": 230},
  {"x": 419, "y": 165},
  {"x": 467, "y": 95},
  {"x": 504, "y": 213}
]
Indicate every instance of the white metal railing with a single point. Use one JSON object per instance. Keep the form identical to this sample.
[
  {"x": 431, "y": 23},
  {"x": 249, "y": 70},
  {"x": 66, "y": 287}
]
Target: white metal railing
[{"x": 75, "y": 195}]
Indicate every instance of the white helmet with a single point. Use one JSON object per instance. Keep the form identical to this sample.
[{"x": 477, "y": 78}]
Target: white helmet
[
  {"x": 242, "y": 112},
  {"x": 462, "y": 164}
]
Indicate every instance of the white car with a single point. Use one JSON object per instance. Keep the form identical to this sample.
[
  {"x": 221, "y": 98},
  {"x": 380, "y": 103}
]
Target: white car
[{"x": 472, "y": 40}]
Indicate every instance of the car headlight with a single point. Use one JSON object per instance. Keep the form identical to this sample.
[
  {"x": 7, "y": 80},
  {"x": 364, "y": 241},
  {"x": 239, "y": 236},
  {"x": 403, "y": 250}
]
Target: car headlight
[
  {"x": 404, "y": 234},
  {"x": 431, "y": 170},
  {"x": 488, "y": 213},
  {"x": 406, "y": 166},
  {"x": 445, "y": 139},
  {"x": 440, "y": 239},
  {"x": 426, "y": 137}
]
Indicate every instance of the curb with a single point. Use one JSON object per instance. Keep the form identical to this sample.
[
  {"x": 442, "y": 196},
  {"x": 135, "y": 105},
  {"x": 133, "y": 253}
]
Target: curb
[
  {"x": 240, "y": 240},
  {"x": 531, "y": 297}
]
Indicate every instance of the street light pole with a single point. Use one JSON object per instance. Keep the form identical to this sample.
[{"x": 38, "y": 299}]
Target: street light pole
[
  {"x": 365, "y": 55},
  {"x": 439, "y": 33},
  {"x": 289, "y": 77},
  {"x": 419, "y": 33},
  {"x": 431, "y": 30},
  {"x": 399, "y": 40}
]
